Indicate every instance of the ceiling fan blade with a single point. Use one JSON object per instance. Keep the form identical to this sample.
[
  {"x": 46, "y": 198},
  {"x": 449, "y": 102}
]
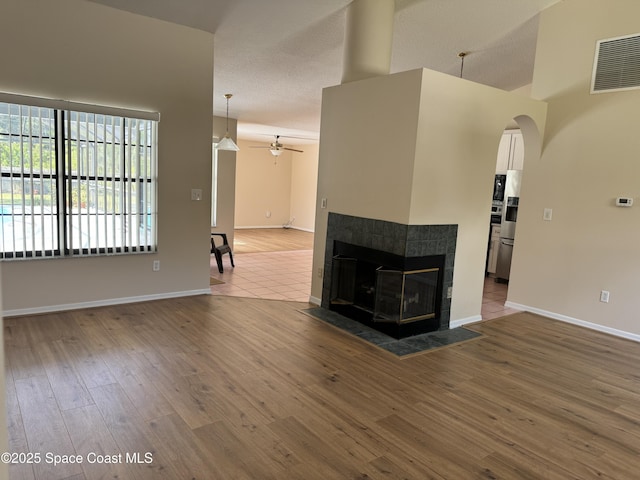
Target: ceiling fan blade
[
  {"x": 292, "y": 149},
  {"x": 298, "y": 138},
  {"x": 258, "y": 146}
]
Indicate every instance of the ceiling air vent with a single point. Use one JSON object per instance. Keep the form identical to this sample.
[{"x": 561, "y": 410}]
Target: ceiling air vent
[{"x": 617, "y": 64}]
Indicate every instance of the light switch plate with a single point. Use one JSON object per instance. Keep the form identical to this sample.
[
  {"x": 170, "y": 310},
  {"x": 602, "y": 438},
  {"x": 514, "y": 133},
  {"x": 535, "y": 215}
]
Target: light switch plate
[{"x": 547, "y": 215}]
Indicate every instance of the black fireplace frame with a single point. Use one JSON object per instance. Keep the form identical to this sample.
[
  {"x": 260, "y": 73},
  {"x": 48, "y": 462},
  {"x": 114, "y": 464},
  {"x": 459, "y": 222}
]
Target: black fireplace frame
[
  {"x": 371, "y": 260},
  {"x": 405, "y": 241}
]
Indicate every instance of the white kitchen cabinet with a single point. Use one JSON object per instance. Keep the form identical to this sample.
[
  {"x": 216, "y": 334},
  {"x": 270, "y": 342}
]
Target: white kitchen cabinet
[
  {"x": 510, "y": 152},
  {"x": 494, "y": 245}
]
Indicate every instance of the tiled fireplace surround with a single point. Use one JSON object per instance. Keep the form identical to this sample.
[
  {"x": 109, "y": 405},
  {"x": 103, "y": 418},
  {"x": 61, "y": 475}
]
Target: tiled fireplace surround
[{"x": 396, "y": 238}]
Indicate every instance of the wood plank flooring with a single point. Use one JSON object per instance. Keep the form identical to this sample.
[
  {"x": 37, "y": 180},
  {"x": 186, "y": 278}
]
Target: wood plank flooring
[
  {"x": 251, "y": 240},
  {"x": 237, "y": 388}
]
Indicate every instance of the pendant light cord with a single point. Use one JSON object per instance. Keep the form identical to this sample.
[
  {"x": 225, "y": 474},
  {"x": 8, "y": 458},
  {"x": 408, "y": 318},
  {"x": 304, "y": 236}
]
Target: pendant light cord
[
  {"x": 461, "y": 55},
  {"x": 227, "y": 96}
]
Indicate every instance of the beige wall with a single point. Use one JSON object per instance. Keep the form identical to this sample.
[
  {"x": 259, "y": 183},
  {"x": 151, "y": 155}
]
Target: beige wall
[
  {"x": 365, "y": 157},
  {"x": 81, "y": 51},
  {"x": 4, "y": 437},
  {"x": 263, "y": 186},
  {"x": 460, "y": 127},
  {"x": 226, "y": 180},
  {"x": 418, "y": 148},
  {"x": 304, "y": 184},
  {"x": 590, "y": 157},
  {"x": 285, "y": 187}
]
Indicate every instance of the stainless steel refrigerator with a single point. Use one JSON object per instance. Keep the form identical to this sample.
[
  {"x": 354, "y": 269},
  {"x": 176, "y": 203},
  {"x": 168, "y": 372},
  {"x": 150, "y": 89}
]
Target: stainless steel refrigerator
[{"x": 508, "y": 224}]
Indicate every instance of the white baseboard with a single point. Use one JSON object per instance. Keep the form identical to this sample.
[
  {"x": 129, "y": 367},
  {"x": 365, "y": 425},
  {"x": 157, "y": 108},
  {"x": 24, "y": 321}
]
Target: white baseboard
[
  {"x": 465, "y": 321},
  {"x": 249, "y": 227},
  {"x": 575, "y": 321},
  {"x": 315, "y": 301},
  {"x": 309, "y": 230},
  {"x": 102, "y": 303}
]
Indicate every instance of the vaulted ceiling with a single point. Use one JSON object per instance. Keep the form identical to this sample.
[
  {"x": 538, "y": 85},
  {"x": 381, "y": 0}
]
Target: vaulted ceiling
[{"x": 276, "y": 56}]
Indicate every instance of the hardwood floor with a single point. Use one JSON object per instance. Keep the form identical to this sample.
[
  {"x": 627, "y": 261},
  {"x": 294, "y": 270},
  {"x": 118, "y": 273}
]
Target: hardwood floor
[
  {"x": 237, "y": 388},
  {"x": 251, "y": 240}
]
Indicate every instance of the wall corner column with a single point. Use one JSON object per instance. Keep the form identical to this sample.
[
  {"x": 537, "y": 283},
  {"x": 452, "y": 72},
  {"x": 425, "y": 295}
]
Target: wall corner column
[{"x": 368, "y": 39}]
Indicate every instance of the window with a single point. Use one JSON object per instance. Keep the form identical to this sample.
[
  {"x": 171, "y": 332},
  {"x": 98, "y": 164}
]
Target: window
[{"x": 76, "y": 182}]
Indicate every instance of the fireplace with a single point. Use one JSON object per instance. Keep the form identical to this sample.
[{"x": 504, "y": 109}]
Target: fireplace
[
  {"x": 391, "y": 277},
  {"x": 397, "y": 295}
]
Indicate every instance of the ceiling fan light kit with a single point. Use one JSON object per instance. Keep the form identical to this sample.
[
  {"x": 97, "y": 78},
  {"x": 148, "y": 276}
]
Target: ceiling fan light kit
[
  {"x": 276, "y": 148},
  {"x": 227, "y": 142}
]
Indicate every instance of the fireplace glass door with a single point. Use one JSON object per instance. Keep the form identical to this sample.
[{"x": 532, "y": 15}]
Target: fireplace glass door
[
  {"x": 403, "y": 297},
  {"x": 343, "y": 283}
]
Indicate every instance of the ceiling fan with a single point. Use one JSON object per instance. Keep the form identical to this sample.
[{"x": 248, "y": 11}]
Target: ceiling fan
[{"x": 276, "y": 148}]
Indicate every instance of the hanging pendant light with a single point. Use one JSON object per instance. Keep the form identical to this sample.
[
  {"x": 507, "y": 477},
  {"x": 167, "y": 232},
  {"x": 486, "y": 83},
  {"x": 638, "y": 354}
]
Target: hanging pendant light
[{"x": 227, "y": 143}]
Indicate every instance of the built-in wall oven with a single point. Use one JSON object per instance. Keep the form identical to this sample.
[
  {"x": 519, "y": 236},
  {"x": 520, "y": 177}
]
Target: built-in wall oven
[
  {"x": 508, "y": 224},
  {"x": 498, "y": 198}
]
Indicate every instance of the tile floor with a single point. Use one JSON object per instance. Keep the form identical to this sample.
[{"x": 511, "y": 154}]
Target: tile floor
[
  {"x": 269, "y": 275},
  {"x": 287, "y": 276},
  {"x": 493, "y": 297}
]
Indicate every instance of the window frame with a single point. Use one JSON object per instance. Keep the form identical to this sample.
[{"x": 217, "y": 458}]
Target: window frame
[{"x": 138, "y": 184}]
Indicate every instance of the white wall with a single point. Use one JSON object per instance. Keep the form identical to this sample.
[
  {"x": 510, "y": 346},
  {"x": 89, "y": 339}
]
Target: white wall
[
  {"x": 590, "y": 157},
  {"x": 85, "y": 52}
]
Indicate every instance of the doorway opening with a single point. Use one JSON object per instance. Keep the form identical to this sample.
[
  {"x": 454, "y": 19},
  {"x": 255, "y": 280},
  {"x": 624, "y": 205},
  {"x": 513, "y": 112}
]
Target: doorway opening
[{"x": 513, "y": 152}]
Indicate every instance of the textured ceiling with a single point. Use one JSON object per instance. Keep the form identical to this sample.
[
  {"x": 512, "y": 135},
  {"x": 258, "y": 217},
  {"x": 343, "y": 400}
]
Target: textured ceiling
[{"x": 276, "y": 56}]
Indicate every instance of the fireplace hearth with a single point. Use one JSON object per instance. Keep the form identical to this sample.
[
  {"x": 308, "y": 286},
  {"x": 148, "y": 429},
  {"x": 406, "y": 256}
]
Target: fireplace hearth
[{"x": 391, "y": 277}]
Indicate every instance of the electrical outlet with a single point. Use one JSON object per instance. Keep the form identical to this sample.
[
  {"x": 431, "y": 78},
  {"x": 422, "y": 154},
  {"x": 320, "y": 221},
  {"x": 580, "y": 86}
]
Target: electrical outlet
[
  {"x": 320, "y": 272},
  {"x": 196, "y": 194},
  {"x": 604, "y": 296},
  {"x": 156, "y": 265},
  {"x": 449, "y": 292}
]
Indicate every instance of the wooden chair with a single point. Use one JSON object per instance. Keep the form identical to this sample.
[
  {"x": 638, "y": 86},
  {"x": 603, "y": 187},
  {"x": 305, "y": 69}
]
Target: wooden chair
[{"x": 218, "y": 251}]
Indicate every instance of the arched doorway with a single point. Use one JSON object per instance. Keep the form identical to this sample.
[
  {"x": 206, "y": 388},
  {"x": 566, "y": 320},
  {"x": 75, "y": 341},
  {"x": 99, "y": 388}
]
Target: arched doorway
[{"x": 520, "y": 142}]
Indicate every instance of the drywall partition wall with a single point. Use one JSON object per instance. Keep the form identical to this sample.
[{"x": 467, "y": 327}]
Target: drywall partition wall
[
  {"x": 589, "y": 158},
  {"x": 226, "y": 179},
  {"x": 459, "y": 128},
  {"x": 419, "y": 148},
  {"x": 85, "y": 52},
  {"x": 4, "y": 437},
  {"x": 367, "y": 147},
  {"x": 304, "y": 184},
  {"x": 270, "y": 191},
  {"x": 263, "y": 186}
]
